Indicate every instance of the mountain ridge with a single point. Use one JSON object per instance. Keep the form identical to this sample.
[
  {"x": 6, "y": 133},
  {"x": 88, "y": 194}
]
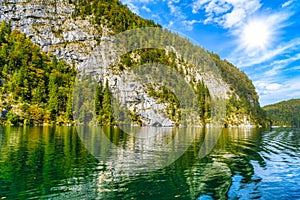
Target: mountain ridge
[
  {"x": 284, "y": 113},
  {"x": 71, "y": 30}
]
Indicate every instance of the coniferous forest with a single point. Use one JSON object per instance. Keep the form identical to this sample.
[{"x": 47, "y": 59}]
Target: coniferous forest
[
  {"x": 35, "y": 88},
  {"x": 285, "y": 113}
]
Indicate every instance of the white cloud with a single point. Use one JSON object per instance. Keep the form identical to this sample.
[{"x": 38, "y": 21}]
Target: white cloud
[
  {"x": 197, "y": 5},
  {"x": 139, "y": 1},
  {"x": 189, "y": 24},
  {"x": 169, "y": 25},
  {"x": 274, "y": 71},
  {"x": 131, "y": 5},
  {"x": 272, "y": 92},
  {"x": 234, "y": 18},
  {"x": 146, "y": 9},
  {"x": 279, "y": 66},
  {"x": 287, "y": 3},
  {"x": 295, "y": 68},
  {"x": 175, "y": 10},
  {"x": 242, "y": 59},
  {"x": 264, "y": 87},
  {"x": 226, "y": 13},
  {"x": 156, "y": 18},
  {"x": 136, "y": 5},
  {"x": 177, "y": 16},
  {"x": 218, "y": 7}
]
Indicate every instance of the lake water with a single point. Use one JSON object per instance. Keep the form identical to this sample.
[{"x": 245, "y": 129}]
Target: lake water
[{"x": 150, "y": 163}]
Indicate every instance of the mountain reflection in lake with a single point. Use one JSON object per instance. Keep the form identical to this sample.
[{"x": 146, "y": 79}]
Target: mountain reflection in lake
[{"x": 149, "y": 163}]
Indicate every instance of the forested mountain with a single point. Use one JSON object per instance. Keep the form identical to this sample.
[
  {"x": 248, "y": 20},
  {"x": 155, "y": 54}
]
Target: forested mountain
[
  {"x": 285, "y": 113},
  {"x": 44, "y": 45}
]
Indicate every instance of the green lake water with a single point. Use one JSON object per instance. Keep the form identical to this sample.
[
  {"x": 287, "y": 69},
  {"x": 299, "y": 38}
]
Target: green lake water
[{"x": 150, "y": 163}]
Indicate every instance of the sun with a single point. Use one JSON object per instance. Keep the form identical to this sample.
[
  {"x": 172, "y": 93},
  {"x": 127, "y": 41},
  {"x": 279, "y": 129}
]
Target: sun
[{"x": 256, "y": 34}]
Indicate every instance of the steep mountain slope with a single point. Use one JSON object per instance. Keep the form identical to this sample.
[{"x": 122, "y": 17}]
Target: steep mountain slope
[
  {"x": 285, "y": 113},
  {"x": 75, "y": 31}
]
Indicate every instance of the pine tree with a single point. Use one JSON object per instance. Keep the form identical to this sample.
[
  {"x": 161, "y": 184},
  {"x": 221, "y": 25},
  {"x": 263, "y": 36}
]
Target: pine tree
[
  {"x": 53, "y": 95},
  {"x": 37, "y": 95},
  {"x": 98, "y": 98},
  {"x": 204, "y": 102},
  {"x": 69, "y": 107},
  {"x": 106, "y": 117}
]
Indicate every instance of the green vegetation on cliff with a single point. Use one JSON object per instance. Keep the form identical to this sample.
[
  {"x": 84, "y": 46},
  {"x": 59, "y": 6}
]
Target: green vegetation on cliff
[
  {"x": 164, "y": 94},
  {"x": 38, "y": 90},
  {"x": 34, "y": 89},
  {"x": 285, "y": 113},
  {"x": 244, "y": 100}
]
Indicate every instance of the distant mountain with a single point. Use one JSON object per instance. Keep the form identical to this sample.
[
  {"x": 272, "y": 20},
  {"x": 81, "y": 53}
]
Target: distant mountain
[
  {"x": 71, "y": 31},
  {"x": 285, "y": 113}
]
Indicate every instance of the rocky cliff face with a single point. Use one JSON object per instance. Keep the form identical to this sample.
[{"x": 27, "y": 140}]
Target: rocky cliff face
[{"x": 51, "y": 25}]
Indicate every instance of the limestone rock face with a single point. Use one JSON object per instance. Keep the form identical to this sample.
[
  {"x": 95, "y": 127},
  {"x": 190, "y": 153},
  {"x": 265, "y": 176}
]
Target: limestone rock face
[{"x": 49, "y": 24}]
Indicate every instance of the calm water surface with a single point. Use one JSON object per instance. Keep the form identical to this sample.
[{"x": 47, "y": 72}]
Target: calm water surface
[{"x": 65, "y": 163}]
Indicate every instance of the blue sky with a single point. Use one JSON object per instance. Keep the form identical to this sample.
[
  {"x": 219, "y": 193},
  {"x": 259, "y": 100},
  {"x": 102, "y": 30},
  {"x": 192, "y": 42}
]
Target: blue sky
[{"x": 262, "y": 38}]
